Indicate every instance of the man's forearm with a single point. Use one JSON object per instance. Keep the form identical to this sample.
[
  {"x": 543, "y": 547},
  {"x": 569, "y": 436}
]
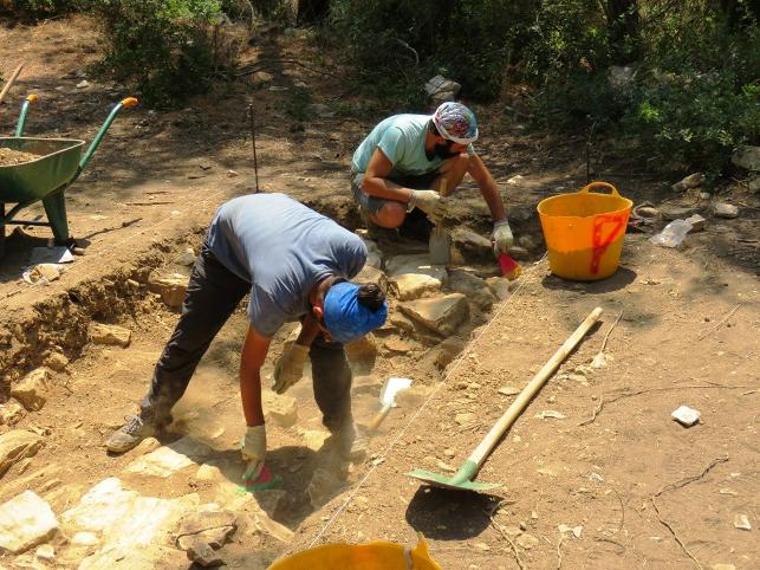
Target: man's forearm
[
  {"x": 383, "y": 188},
  {"x": 309, "y": 331},
  {"x": 488, "y": 188},
  {"x": 490, "y": 193},
  {"x": 250, "y": 395}
]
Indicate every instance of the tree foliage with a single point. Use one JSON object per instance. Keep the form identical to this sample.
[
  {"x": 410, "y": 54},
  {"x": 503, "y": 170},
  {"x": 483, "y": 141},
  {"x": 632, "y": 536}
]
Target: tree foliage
[
  {"x": 170, "y": 49},
  {"x": 681, "y": 76},
  {"x": 35, "y": 10}
]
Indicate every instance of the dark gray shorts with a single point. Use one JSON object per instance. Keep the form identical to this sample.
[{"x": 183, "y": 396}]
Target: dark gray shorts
[{"x": 373, "y": 204}]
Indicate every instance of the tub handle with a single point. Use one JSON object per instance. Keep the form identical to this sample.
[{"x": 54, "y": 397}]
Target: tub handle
[{"x": 600, "y": 184}]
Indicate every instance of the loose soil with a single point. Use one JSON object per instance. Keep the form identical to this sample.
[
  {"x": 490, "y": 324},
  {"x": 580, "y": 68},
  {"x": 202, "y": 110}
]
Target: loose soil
[
  {"x": 644, "y": 491},
  {"x": 10, "y": 157}
]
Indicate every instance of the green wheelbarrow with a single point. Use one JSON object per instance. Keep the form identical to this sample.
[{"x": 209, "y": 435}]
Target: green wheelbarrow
[{"x": 58, "y": 163}]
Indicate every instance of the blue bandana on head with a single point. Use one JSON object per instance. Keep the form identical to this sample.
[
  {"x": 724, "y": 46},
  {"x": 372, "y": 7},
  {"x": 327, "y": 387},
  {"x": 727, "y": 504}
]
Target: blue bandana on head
[{"x": 345, "y": 318}]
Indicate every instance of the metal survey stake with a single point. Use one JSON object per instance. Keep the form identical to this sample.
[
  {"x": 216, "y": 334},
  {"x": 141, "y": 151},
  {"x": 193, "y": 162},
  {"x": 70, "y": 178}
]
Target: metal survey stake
[{"x": 253, "y": 142}]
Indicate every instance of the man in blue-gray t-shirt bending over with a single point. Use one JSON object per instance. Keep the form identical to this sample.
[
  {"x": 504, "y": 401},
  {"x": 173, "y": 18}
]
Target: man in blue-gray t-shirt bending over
[
  {"x": 295, "y": 264},
  {"x": 406, "y": 162}
]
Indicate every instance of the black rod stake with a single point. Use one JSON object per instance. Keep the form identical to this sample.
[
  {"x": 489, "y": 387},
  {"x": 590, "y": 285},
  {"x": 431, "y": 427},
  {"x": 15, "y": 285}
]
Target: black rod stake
[
  {"x": 588, "y": 152},
  {"x": 253, "y": 142}
]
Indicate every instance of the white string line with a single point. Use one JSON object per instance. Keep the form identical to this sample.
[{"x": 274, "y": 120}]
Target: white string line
[{"x": 381, "y": 459}]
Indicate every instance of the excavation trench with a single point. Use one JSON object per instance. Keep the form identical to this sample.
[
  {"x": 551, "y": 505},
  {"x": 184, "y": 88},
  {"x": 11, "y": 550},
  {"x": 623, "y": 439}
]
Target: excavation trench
[{"x": 93, "y": 386}]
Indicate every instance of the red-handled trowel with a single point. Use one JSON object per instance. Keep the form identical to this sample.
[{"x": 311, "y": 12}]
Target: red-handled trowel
[
  {"x": 265, "y": 481},
  {"x": 509, "y": 267}
]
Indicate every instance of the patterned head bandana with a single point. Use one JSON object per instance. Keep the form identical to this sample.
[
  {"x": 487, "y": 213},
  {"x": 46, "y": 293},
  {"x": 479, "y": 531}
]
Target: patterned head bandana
[
  {"x": 345, "y": 318},
  {"x": 456, "y": 123}
]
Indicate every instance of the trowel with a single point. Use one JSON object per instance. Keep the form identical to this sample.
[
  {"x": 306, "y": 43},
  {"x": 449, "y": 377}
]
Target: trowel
[
  {"x": 388, "y": 394},
  {"x": 264, "y": 482},
  {"x": 440, "y": 240}
]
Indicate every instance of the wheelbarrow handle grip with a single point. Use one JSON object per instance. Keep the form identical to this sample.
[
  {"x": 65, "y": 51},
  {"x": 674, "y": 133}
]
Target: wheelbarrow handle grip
[
  {"x": 128, "y": 102},
  {"x": 21, "y": 123}
]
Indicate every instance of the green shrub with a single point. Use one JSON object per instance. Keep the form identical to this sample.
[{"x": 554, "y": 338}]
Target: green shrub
[
  {"x": 697, "y": 96},
  {"x": 567, "y": 55},
  {"x": 397, "y": 45},
  {"x": 694, "y": 94},
  {"x": 170, "y": 49},
  {"x": 33, "y": 10}
]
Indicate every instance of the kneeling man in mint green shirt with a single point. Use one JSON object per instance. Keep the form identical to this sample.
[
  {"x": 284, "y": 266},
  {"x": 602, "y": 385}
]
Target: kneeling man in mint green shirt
[{"x": 409, "y": 161}]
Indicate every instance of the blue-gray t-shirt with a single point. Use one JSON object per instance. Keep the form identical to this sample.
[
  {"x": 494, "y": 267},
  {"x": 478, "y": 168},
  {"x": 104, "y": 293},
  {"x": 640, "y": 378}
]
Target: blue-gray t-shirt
[{"x": 282, "y": 248}]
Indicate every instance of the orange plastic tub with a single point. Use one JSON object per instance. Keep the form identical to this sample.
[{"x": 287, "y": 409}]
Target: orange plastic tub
[
  {"x": 584, "y": 232},
  {"x": 372, "y": 556}
]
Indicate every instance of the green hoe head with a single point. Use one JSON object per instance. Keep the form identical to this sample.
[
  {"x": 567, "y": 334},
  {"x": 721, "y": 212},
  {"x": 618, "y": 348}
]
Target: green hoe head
[{"x": 455, "y": 482}]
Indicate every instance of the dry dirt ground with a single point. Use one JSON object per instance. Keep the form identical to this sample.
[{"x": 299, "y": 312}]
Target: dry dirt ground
[{"x": 639, "y": 490}]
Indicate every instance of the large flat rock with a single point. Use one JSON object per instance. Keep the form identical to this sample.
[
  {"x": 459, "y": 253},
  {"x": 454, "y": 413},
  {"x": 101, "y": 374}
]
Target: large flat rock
[
  {"x": 418, "y": 263},
  {"x": 472, "y": 245},
  {"x": 32, "y": 389},
  {"x": 16, "y": 445},
  {"x": 747, "y": 157},
  {"x": 171, "y": 287},
  {"x": 168, "y": 460},
  {"x": 25, "y": 521},
  {"x": 133, "y": 530},
  {"x": 122, "y": 557},
  {"x": 111, "y": 335},
  {"x": 442, "y": 315},
  {"x": 370, "y": 274},
  {"x": 413, "y": 276}
]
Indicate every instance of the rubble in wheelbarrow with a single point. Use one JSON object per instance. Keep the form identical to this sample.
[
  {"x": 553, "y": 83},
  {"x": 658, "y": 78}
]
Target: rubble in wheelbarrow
[{"x": 10, "y": 157}]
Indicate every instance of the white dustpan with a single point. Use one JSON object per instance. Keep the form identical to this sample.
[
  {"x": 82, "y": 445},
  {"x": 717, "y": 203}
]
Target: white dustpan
[{"x": 391, "y": 388}]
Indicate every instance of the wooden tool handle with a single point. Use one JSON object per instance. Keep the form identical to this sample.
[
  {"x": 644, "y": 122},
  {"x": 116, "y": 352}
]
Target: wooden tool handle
[
  {"x": 10, "y": 81},
  {"x": 443, "y": 188},
  {"x": 523, "y": 398},
  {"x": 378, "y": 419}
]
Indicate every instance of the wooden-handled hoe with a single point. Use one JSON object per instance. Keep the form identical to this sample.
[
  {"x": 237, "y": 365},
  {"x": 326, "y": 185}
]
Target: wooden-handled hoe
[{"x": 462, "y": 479}]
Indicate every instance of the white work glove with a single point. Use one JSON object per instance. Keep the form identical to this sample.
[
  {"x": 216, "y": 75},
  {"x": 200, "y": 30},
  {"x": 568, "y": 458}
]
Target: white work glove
[
  {"x": 429, "y": 201},
  {"x": 289, "y": 368},
  {"x": 254, "y": 451},
  {"x": 502, "y": 237}
]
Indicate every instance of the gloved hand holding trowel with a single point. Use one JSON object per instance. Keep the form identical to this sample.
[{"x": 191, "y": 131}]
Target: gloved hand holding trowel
[
  {"x": 430, "y": 202},
  {"x": 502, "y": 240},
  {"x": 502, "y": 237},
  {"x": 410, "y": 162},
  {"x": 254, "y": 451}
]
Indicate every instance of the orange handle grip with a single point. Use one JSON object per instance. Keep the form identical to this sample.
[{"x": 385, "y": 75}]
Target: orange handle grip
[{"x": 130, "y": 102}]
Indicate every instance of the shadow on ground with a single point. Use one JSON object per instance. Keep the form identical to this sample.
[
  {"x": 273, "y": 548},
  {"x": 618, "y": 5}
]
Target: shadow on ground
[
  {"x": 444, "y": 514},
  {"x": 620, "y": 280}
]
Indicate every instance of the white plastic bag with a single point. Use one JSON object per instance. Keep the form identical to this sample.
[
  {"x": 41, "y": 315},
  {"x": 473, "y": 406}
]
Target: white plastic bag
[{"x": 673, "y": 234}]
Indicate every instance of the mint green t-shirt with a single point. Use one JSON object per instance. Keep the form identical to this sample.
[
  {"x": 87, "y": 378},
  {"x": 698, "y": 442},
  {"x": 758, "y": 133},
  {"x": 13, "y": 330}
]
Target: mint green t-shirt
[{"x": 402, "y": 140}]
